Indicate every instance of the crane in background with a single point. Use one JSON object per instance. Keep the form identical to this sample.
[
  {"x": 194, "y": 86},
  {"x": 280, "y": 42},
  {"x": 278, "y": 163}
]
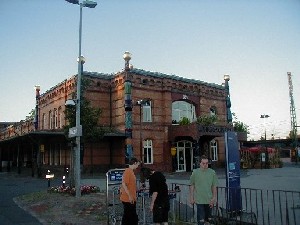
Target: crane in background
[{"x": 294, "y": 126}]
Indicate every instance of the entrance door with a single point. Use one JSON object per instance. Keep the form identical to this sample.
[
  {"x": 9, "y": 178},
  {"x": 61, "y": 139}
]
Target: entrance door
[{"x": 181, "y": 159}]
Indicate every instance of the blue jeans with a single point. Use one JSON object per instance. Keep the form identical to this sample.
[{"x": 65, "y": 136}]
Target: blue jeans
[{"x": 203, "y": 213}]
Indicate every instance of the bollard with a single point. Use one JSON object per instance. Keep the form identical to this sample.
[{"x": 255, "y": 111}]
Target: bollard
[
  {"x": 48, "y": 173},
  {"x": 48, "y": 177},
  {"x": 64, "y": 181}
]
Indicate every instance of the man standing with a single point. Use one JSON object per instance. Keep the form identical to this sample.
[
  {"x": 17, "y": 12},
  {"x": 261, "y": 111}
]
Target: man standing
[
  {"x": 128, "y": 194},
  {"x": 203, "y": 190},
  {"x": 158, "y": 188}
]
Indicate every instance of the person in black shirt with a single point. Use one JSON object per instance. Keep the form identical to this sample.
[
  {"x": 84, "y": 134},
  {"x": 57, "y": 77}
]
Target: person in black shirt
[{"x": 160, "y": 204}]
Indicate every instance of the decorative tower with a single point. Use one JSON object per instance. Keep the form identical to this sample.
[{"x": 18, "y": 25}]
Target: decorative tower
[
  {"x": 128, "y": 109},
  {"x": 36, "y": 116}
]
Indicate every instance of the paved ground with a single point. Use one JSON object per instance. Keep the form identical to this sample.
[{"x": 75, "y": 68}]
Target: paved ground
[
  {"x": 285, "y": 178},
  {"x": 13, "y": 184}
]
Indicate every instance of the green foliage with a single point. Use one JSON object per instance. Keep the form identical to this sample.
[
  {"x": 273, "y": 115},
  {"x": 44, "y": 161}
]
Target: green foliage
[
  {"x": 89, "y": 117},
  {"x": 184, "y": 121},
  {"x": 207, "y": 119},
  {"x": 239, "y": 126},
  {"x": 31, "y": 115}
]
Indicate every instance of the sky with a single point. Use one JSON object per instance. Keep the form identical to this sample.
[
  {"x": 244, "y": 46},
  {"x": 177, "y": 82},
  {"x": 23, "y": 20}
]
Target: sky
[{"x": 256, "y": 42}]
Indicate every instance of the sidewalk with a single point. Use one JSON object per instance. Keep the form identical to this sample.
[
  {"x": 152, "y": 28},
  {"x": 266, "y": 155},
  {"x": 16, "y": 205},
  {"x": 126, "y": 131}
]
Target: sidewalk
[{"x": 285, "y": 178}]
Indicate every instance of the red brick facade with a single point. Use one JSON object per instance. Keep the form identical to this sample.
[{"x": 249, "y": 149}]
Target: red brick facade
[{"x": 107, "y": 92}]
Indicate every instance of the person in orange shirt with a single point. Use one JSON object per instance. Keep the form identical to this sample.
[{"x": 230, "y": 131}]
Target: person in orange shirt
[{"x": 128, "y": 194}]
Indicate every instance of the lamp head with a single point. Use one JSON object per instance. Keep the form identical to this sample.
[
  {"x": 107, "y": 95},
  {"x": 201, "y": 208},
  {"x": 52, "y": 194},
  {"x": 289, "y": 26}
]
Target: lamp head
[
  {"x": 226, "y": 77},
  {"x": 127, "y": 56},
  {"x": 70, "y": 102},
  {"x": 81, "y": 59}
]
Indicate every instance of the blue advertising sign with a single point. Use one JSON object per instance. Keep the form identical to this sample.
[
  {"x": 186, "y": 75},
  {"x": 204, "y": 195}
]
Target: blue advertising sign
[
  {"x": 116, "y": 174},
  {"x": 233, "y": 183}
]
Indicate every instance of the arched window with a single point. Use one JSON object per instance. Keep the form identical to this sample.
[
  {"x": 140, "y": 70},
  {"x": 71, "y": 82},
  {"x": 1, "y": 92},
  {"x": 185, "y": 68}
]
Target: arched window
[
  {"x": 55, "y": 118},
  {"x": 44, "y": 121},
  {"x": 59, "y": 118},
  {"x": 50, "y": 120},
  {"x": 182, "y": 109}
]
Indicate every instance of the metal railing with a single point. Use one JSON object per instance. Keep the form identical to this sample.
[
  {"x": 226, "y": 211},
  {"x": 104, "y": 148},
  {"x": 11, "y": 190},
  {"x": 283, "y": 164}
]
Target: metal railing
[
  {"x": 255, "y": 206},
  {"x": 239, "y": 206}
]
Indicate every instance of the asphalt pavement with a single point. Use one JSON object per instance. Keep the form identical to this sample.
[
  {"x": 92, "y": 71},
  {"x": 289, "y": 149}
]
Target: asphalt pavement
[{"x": 13, "y": 184}]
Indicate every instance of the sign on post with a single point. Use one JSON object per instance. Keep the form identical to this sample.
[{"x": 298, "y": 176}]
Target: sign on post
[{"x": 233, "y": 183}]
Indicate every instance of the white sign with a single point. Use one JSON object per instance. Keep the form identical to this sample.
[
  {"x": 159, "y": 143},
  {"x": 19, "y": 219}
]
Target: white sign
[{"x": 75, "y": 131}]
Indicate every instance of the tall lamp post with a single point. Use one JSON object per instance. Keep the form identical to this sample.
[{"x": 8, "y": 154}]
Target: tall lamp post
[
  {"x": 88, "y": 4},
  {"x": 264, "y": 116}
]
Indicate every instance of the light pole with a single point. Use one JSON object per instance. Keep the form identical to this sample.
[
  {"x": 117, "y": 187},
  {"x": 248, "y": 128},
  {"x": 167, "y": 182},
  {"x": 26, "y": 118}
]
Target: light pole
[
  {"x": 142, "y": 103},
  {"x": 264, "y": 116},
  {"x": 228, "y": 102},
  {"x": 88, "y": 4}
]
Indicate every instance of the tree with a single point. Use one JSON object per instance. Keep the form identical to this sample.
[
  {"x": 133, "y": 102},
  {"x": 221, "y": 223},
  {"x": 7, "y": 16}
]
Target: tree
[
  {"x": 89, "y": 116},
  {"x": 239, "y": 126}
]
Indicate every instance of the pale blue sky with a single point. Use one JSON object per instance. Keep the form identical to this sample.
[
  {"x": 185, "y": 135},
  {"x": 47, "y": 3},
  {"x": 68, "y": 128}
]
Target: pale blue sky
[{"x": 256, "y": 42}]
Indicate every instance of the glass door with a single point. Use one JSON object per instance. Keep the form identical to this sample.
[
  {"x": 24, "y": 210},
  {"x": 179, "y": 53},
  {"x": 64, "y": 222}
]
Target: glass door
[{"x": 181, "y": 167}]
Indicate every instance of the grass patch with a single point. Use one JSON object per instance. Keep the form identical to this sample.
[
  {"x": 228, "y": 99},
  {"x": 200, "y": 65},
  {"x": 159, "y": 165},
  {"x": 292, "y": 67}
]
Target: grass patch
[{"x": 33, "y": 197}]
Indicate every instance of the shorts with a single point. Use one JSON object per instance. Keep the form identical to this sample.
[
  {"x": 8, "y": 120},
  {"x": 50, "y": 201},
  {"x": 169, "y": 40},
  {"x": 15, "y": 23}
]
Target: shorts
[{"x": 160, "y": 213}]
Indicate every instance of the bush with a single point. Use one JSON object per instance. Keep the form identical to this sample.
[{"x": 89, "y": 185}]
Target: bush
[{"x": 207, "y": 120}]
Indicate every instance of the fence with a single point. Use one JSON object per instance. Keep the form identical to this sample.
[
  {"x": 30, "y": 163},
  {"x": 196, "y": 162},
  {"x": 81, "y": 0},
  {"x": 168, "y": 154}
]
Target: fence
[
  {"x": 115, "y": 207},
  {"x": 254, "y": 206},
  {"x": 261, "y": 207}
]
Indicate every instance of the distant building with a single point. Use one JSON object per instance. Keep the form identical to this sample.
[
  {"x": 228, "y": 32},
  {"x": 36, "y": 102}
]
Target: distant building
[{"x": 162, "y": 125}]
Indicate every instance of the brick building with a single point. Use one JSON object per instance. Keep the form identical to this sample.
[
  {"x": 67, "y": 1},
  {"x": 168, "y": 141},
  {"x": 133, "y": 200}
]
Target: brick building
[{"x": 160, "y": 104}]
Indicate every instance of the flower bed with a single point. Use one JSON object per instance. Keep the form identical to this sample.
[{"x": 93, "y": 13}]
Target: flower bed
[{"x": 85, "y": 189}]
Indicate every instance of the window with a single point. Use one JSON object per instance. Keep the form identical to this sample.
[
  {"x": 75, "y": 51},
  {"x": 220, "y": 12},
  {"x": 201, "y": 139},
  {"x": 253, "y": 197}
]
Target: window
[
  {"x": 43, "y": 121},
  {"x": 59, "y": 118},
  {"x": 55, "y": 118},
  {"x": 213, "y": 111},
  {"x": 147, "y": 114},
  {"x": 148, "y": 151},
  {"x": 182, "y": 109},
  {"x": 214, "y": 150},
  {"x": 50, "y": 120}
]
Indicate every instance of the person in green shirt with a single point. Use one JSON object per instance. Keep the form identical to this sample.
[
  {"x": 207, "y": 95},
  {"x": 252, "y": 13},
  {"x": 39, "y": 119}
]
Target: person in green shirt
[{"x": 203, "y": 190}]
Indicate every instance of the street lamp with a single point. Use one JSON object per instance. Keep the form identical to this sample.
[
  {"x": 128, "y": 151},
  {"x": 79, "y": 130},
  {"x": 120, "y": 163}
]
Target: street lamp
[
  {"x": 228, "y": 102},
  {"x": 81, "y": 60},
  {"x": 264, "y": 116},
  {"x": 142, "y": 103}
]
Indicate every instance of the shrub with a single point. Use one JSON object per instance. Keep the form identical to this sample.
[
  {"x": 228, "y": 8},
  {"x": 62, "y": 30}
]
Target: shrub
[{"x": 207, "y": 119}]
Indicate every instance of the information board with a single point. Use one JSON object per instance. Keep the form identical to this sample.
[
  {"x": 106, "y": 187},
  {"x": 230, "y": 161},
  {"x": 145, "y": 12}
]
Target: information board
[{"x": 233, "y": 183}]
